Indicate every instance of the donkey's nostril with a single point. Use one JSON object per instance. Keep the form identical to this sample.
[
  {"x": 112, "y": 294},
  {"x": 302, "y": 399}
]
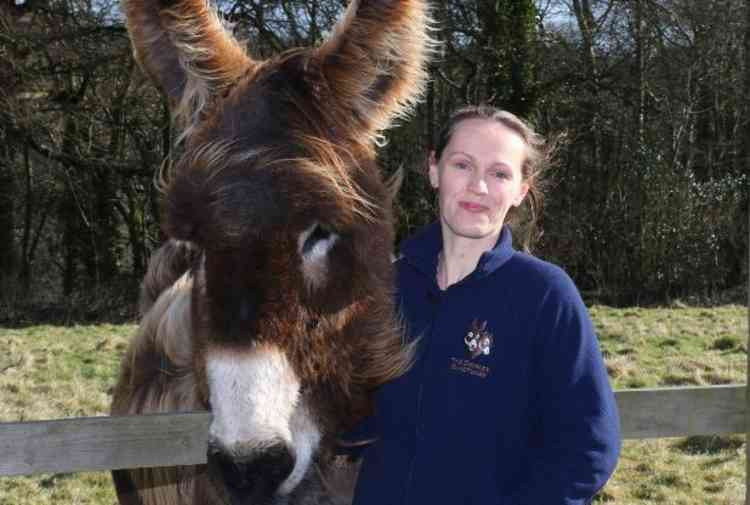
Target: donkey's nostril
[
  {"x": 233, "y": 472},
  {"x": 275, "y": 463},
  {"x": 259, "y": 473}
]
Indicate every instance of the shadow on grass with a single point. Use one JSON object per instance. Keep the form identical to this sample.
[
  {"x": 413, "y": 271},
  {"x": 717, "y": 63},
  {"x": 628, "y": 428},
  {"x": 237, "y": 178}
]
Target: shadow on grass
[
  {"x": 603, "y": 497},
  {"x": 51, "y": 480},
  {"x": 718, "y": 461},
  {"x": 679, "y": 380},
  {"x": 709, "y": 444},
  {"x": 724, "y": 344}
]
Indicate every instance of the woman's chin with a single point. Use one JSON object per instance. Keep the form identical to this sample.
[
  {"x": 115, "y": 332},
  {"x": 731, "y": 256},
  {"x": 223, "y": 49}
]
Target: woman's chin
[{"x": 474, "y": 232}]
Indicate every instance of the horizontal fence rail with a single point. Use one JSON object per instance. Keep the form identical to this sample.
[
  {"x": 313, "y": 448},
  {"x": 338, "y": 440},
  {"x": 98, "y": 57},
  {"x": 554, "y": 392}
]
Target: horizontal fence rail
[
  {"x": 682, "y": 411},
  {"x": 109, "y": 443}
]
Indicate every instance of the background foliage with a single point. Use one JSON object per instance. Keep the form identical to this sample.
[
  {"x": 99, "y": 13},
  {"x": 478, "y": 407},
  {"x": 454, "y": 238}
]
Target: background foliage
[{"x": 649, "y": 200}]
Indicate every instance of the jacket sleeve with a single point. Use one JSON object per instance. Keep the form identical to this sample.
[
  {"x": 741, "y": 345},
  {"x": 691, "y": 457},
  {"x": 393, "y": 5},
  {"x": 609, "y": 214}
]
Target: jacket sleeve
[{"x": 576, "y": 429}]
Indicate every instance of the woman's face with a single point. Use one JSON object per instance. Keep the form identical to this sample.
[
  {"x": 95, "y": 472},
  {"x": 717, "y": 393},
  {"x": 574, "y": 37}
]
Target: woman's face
[{"x": 478, "y": 178}]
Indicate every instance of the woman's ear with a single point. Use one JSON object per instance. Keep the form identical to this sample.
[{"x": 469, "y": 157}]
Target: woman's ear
[
  {"x": 521, "y": 195},
  {"x": 433, "y": 170}
]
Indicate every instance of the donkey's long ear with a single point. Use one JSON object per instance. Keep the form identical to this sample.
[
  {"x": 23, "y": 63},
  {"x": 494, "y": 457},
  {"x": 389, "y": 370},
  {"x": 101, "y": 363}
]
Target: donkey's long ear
[
  {"x": 184, "y": 47},
  {"x": 375, "y": 60}
]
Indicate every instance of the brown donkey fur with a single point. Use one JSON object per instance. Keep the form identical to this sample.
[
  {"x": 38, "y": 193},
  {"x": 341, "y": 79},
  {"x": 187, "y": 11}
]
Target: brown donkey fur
[{"x": 272, "y": 303}]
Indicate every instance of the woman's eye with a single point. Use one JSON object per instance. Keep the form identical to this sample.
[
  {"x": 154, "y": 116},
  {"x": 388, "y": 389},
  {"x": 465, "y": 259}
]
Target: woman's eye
[
  {"x": 501, "y": 175},
  {"x": 461, "y": 165}
]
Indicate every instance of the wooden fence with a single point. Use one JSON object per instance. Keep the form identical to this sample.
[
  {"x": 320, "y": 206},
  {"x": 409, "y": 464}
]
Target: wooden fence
[{"x": 107, "y": 443}]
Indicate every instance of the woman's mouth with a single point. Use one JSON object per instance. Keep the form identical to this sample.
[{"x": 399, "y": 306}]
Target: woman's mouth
[{"x": 472, "y": 207}]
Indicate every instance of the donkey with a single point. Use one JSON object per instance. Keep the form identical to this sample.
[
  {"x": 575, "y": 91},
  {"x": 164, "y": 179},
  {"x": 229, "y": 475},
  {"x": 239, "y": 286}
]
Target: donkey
[{"x": 271, "y": 304}]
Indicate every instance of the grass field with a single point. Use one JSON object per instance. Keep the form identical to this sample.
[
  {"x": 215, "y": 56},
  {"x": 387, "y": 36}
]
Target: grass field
[{"x": 51, "y": 372}]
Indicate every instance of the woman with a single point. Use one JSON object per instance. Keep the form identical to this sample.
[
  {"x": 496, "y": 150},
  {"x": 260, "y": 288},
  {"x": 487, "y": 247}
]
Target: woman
[{"x": 508, "y": 401}]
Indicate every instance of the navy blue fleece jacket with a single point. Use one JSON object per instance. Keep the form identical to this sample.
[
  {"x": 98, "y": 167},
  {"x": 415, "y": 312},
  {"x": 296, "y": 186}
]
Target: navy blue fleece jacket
[{"x": 508, "y": 402}]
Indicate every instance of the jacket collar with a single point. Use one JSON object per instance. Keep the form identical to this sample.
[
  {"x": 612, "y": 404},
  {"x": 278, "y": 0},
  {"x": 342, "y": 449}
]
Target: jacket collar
[{"x": 423, "y": 248}]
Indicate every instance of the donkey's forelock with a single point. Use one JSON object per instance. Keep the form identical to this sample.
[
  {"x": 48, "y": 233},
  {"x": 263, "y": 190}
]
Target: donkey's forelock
[{"x": 223, "y": 194}]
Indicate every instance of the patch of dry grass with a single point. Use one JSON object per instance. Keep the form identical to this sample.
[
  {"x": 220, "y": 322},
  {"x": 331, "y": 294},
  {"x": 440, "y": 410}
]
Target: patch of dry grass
[
  {"x": 49, "y": 372},
  {"x": 692, "y": 471},
  {"x": 676, "y": 347},
  {"x": 652, "y": 347}
]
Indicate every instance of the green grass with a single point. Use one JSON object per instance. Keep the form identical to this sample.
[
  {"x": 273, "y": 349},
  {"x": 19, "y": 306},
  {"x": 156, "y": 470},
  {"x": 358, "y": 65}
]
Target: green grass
[
  {"x": 49, "y": 372},
  {"x": 646, "y": 347},
  {"x": 52, "y": 372}
]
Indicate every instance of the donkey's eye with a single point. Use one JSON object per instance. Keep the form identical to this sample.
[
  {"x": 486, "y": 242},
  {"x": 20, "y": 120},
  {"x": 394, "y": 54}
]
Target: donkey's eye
[
  {"x": 314, "y": 244},
  {"x": 318, "y": 234},
  {"x": 316, "y": 241}
]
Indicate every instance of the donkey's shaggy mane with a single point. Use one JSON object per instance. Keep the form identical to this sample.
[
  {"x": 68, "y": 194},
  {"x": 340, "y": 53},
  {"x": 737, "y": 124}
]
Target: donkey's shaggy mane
[{"x": 162, "y": 350}]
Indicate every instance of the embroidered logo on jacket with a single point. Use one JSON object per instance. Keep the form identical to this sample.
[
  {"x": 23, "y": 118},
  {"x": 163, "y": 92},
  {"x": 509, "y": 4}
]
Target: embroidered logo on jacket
[{"x": 478, "y": 340}]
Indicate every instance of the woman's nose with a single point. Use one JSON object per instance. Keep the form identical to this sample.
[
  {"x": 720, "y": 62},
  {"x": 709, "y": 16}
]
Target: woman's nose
[{"x": 477, "y": 184}]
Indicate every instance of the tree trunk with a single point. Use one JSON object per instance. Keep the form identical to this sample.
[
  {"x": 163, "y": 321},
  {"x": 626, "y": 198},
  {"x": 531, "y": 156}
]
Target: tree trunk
[
  {"x": 430, "y": 116},
  {"x": 70, "y": 215},
  {"x": 745, "y": 153},
  {"x": 28, "y": 218},
  {"x": 506, "y": 38},
  {"x": 8, "y": 252},
  {"x": 641, "y": 159},
  {"x": 522, "y": 57},
  {"x": 589, "y": 152}
]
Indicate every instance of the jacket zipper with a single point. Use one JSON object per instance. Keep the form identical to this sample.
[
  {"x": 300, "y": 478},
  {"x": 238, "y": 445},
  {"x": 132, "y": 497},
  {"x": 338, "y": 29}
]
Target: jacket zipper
[{"x": 418, "y": 427}]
